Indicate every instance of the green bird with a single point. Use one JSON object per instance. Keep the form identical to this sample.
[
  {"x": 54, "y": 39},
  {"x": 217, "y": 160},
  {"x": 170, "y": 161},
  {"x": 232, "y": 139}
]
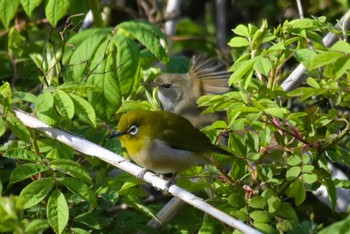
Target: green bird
[{"x": 163, "y": 142}]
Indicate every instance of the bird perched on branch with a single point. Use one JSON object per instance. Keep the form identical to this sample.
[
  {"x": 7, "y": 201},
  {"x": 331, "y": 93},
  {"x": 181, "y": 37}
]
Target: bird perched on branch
[
  {"x": 178, "y": 93},
  {"x": 163, "y": 142}
]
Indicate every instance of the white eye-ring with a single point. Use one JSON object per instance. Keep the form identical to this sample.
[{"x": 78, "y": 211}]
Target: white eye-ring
[{"x": 133, "y": 130}]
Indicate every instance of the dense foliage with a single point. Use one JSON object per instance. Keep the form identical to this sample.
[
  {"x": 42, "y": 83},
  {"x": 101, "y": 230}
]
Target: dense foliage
[{"x": 81, "y": 79}]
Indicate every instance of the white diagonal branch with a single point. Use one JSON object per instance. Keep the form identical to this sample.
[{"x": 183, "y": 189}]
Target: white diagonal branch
[{"x": 84, "y": 146}]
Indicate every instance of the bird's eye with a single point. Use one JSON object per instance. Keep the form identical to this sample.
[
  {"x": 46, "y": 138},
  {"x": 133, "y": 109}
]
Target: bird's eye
[
  {"x": 133, "y": 130},
  {"x": 166, "y": 86}
]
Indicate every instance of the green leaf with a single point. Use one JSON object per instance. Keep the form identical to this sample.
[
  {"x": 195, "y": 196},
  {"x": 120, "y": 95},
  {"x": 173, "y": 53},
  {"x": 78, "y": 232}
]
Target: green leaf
[
  {"x": 90, "y": 219},
  {"x": 264, "y": 227},
  {"x": 331, "y": 191},
  {"x": 285, "y": 210},
  {"x": 314, "y": 37},
  {"x": 36, "y": 226},
  {"x": 57, "y": 211},
  {"x": 238, "y": 144},
  {"x": 278, "y": 46},
  {"x": 28, "y": 97},
  {"x": 71, "y": 168},
  {"x": 77, "y": 86},
  {"x": 265, "y": 137},
  {"x": 60, "y": 151},
  {"x": 133, "y": 201},
  {"x": 25, "y": 171},
  {"x": 11, "y": 211},
  {"x": 16, "y": 42},
  {"x": 259, "y": 35},
  {"x": 257, "y": 202},
  {"x": 308, "y": 168},
  {"x": 342, "y": 183},
  {"x": 239, "y": 42},
  {"x": 125, "y": 188},
  {"x": 18, "y": 128},
  {"x": 84, "y": 110},
  {"x": 55, "y": 149},
  {"x": 63, "y": 104},
  {"x": 260, "y": 216},
  {"x": 253, "y": 141},
  {"x": 296, "y": 115},
  {"x": 265, "y": 103},
  {"x": 293, "y": 160},
  {"x": 273, "y": 201},
  {"x": 36, "y": 191},
  {"x": 44, "y": 108},
  {"x": 304, "y": 92},
  {"x": 30, "y": 5},
  {"x": 262, "y": 65},
  {"x": 342, "y": 226},
  {"x": 79, "y": 188},
  {"x": 2, "y": 127},
  {"x": 55, "y": 10},
  {"x": 312, "y": 82},
  {"x": 306, "y": 159},
  {"x": 85, "y": 46},
  {"x": 305, "y": 55},
  {"x": 276, "y": 111},
  {"x": 80, "y": 231},
  {"x": 242, "y": 30},
  {"x": 324, "y": 58},
  {"x": 297, "y": 190},
  {"x": 148, "y": 34},
  {"x": 207, "y": 226},
  {"x": 238, "y": 169},
  {"x": 323, "y": 121},
  {"x": 341, "y": 46},
  {"x": 247, "y": 82},
  {"x": 23, "y": 154},
  {"x": 128, "y": 63},
  {"x": 8, "y": 9},
  {"x": 309, "y": 178},
  {"x": 300, "y": 91},
  {"x": 293, "y": 173},
  {"x": 240, "y": 70},
  {"x": 83, "y": 39},
  {"x": 108, "y": 98},
  {"x": 305, "y": 23},
  {"x": 239, "y": 214},
  {"x": 338, "y": 69},
  {"x": 236, "y": 200},
  {"x": 6, "y": 96}
]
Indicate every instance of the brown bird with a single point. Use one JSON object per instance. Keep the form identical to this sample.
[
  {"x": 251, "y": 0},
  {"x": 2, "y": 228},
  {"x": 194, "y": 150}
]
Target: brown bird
[{"x": 178, "y": 93}]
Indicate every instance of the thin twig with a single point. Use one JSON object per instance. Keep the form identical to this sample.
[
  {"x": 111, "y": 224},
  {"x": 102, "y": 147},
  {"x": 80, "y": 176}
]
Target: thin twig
[
  {"x": 221, "y": 35},
  {"x": 172, "y": 13},
  {"x": 300, "y": 9}
]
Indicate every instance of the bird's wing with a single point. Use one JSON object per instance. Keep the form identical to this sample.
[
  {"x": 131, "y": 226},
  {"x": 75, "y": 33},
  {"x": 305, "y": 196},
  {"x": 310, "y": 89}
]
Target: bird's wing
[{"x": 195, "y": 141}]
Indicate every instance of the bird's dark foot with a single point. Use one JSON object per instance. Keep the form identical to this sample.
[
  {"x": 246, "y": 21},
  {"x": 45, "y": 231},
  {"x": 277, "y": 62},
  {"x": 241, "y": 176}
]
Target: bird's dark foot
[
  {"x": 170, "y": 182},
  {"x": 142, "y": 174}
]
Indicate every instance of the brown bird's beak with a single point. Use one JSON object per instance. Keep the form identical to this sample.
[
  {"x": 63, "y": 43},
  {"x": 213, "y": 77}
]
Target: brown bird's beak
[
  {"x": 151, "y": 84},
  {"x": 116, "y": 134}
]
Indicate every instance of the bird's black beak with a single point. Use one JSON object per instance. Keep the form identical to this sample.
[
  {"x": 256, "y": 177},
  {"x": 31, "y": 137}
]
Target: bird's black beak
[{"x": 116, "y": 134}]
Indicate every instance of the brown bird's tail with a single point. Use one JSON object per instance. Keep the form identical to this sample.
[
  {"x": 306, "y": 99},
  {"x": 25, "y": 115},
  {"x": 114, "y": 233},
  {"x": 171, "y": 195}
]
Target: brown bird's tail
[{"x": 211, "y": 73}]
